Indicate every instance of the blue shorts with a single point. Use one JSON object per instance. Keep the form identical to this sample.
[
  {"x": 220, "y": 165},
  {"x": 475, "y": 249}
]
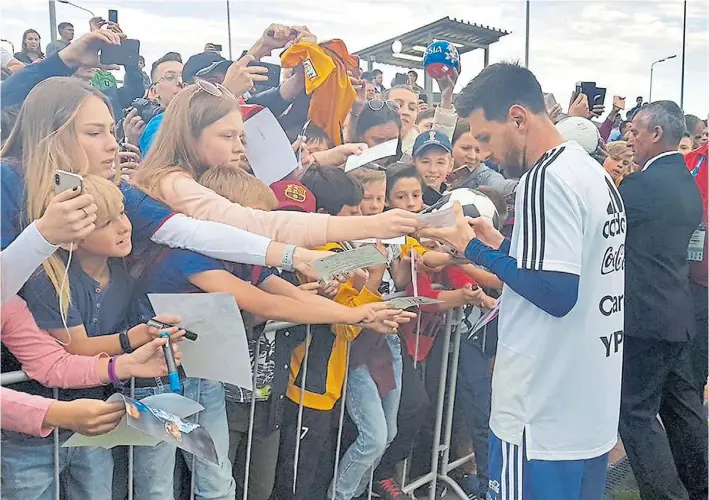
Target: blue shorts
[{"x": 513, "y": 477}]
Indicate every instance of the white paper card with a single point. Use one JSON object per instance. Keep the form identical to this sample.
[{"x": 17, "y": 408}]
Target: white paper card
[
  {"x": 485, "y": 319},
  {"x": 406, "y": 302},
  {"x": 349, "y": 260},
  {"x": 441, "y": 218},
  {"x": 383, "y": 150},
  {"x": 269, "y": 152},
  {"x": 399, "y": 240},
  {"x": 221, "y": 351}
]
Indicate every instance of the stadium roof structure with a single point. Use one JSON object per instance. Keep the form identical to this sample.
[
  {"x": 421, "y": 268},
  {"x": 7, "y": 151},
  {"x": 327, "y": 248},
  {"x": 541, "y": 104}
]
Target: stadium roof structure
[{"x": 464, "y": 35}]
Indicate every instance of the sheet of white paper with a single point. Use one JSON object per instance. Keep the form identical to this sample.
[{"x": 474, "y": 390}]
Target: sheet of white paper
[
  {"x": 406, "y": 302},
  {"x": 485, "y": 319},
  {"x": 269, "y": 152},
  {"x": 221, "y": 352},
  {"x": 399, "y": 240},
  {"x": 441, "y": 218},
  {"x": 179, "y": 406},
  {"x": 349, "y": 260},
  {"x": 383, "y": 150}
]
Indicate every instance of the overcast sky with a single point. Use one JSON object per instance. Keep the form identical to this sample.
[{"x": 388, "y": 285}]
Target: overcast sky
[{"x": 610, "y": 42}]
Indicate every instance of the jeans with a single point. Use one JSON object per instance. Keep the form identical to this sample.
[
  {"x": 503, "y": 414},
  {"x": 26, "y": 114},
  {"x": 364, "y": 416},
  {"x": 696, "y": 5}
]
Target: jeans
[
  {"x": 154, "y": 466},
  {"x": 375, "y": 418},
  {"x": 28, "y": 468}
]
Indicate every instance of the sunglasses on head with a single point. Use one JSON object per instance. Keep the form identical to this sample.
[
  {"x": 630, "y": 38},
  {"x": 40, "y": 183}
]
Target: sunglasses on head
[
  {"x": 378, "y": 105},
  {"x": 215, "y": 89}
]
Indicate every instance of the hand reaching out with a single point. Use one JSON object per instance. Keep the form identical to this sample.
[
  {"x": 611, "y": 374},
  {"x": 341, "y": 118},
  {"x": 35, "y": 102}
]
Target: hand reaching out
[
  {"x": 579, "y": 106},
  {"x": 240, "y": 77},
  {"x": 90, "y": 417},
  {"x": 380, "y": 318},
  {"x": 147, "y": 361}
]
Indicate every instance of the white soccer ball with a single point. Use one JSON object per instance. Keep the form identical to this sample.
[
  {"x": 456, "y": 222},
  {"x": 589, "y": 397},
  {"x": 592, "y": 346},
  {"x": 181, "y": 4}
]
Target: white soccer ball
[
  {"x": 474, "y": 203},
  {"x": 580, "y": 130}
]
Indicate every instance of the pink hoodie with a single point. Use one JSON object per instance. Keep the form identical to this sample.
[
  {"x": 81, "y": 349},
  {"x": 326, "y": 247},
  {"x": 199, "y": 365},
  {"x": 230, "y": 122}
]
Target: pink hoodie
[{"x": 43, "y": 360}]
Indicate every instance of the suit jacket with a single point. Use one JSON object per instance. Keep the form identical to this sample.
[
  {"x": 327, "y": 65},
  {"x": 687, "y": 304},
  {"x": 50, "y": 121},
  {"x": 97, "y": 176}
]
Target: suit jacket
[{"x": 663, "y": 208}]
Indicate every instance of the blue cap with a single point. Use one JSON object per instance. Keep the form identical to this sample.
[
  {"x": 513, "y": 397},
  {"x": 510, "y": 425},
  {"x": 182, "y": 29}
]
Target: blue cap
[{"x": 432, "y": 138}]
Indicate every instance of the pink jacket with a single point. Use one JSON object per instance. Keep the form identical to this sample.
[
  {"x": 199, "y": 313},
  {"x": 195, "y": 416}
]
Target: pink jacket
[
  {"x": 185, "y": 195},
  {"x": 43, "y": 360}
]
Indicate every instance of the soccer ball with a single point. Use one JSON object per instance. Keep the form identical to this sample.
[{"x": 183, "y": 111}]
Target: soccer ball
[
  {"x": 580, "y": 130},
  {"x": 474, "y": 203}
]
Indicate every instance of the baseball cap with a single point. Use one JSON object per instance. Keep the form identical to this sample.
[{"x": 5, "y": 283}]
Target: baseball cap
[
  {"x": 580, "y": 130},
  {"x": 204, "y": 63},
  {"x": 432, "y": 138},
  {"x": 292, "y": 195}
]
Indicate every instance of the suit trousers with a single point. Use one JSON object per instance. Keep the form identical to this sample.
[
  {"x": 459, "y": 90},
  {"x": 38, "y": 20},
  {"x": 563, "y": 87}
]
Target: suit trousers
[{"x": 668, "y": 457}]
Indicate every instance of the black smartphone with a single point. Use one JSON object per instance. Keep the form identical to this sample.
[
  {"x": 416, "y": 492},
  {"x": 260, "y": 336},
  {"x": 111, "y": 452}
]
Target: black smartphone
[
  {"x": 217, "y": 47},
  {"x": 274, "y": 76},
  {"x": 599, "y": 97},
  {"x": 113, "y": 15},
  {"x": 587, "y": 88},
  {"x": 125, "y": 54}
]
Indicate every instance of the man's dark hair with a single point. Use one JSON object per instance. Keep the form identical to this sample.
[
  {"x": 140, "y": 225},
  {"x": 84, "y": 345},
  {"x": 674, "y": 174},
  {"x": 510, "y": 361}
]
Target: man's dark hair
[
  {"x": 401, "y": 170},
  {"x": 377, "y": 72},
  {"x": 623, "y": 127},
  {"x": 499, "y": 87},
  {"x": 367, "y": 76},
  {"x": 63, "y": 26},
  {"x": 413, "y": 72},
  {"x": 141, "y": 58},
  {"x": 170, "y": 56},
  {"x": 668, "y": 116},
  {"x": 639, "y": 98},
  {"x": 692, "y": 122},
  {"x": 315, "y": 133},
  {"x": 333, "y": 189}
]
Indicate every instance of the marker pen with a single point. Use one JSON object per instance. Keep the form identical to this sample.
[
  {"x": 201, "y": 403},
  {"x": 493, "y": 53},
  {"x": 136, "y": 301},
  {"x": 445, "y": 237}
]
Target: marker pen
[
  {"x": 153, "y": 323},
  {"x": 172, "y": 374}
]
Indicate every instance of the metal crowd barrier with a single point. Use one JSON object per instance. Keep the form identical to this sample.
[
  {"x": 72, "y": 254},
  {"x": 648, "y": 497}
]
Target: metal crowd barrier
[{"x": 441, "y": 465}]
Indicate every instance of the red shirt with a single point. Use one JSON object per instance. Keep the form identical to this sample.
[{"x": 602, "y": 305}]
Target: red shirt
[{"x": 697, "y": 164}]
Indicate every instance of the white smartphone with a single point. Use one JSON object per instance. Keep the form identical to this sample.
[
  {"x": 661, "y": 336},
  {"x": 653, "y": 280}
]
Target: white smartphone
[{"x": 65, "y": 181}]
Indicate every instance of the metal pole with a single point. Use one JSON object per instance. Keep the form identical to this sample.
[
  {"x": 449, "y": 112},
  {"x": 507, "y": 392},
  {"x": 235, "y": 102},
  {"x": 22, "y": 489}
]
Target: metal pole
[
  {"x": 652, "y": 66},
  {"x": 228, "y": 27},
  {"x": 440, "y": 405},
  {"x": 684, "y": 49},
  {"x": 67, "y": 2},
  {"x": 526, "y": 39},
  {"x": 301, "y": 404},
  {"x": 252, "y": 416},
  {"x": 53, "y": 20}
]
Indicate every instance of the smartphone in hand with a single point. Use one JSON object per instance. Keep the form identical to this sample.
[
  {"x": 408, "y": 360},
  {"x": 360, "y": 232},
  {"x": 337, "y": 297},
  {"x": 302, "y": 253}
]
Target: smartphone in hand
[
  {"x": 125, "y": 54},
  {"x": 66, "y": 181}
]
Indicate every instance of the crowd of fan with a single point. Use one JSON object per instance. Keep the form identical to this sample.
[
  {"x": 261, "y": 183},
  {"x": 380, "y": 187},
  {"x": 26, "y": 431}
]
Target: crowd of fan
[{"x": 169, "y": 204}]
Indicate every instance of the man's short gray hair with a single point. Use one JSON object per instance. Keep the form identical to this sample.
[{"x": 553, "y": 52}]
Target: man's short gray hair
[{"x": 668, "y": 116}]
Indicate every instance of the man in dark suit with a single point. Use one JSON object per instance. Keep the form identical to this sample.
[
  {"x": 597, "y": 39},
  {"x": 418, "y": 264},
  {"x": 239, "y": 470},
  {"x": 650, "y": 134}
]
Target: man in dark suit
[{"x": 663, "y": 210}]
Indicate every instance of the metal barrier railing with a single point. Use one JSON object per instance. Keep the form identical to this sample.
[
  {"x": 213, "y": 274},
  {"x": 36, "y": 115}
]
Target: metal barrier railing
[{"x": 443, "y": 424}]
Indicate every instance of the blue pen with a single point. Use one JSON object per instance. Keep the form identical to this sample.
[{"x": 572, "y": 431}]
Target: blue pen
[{"x": 172, "y": 374}]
